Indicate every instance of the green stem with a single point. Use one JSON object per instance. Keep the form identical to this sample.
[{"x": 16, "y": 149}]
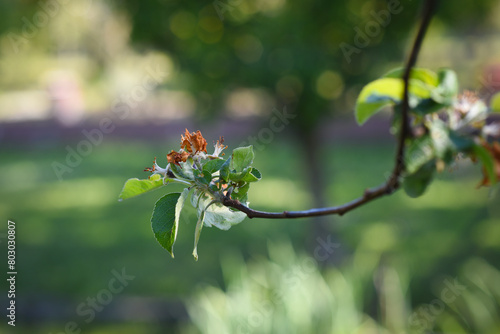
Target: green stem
[{"x": 179, "y": 181}]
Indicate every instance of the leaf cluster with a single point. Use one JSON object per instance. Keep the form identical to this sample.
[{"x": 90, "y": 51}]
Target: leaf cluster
[
  {"x": 445, "y": 125},
  {"x": 207, "y": 179}
]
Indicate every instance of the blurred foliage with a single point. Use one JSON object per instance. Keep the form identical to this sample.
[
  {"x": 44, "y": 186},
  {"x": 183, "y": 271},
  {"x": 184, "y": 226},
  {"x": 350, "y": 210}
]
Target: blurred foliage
[
  {"x": 229, "y": 54},
  {"x": 289, "y": 48},
  {"x": 289, "y": 293}
]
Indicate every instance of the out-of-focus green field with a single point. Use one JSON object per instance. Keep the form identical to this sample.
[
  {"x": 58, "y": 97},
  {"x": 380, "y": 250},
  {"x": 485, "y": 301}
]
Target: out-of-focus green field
[{"x": 71, "y": 234}]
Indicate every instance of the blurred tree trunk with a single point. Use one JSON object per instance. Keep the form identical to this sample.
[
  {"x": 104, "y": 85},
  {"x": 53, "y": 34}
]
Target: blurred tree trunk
[{"x": 323, "y": 231}]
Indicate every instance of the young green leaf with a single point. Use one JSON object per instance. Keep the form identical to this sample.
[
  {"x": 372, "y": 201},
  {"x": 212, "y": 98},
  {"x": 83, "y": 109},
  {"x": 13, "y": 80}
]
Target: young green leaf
[
  {"x": 164, "y": 220},
  {"x": 442, "y": 143},
  {"x": 253, "y": 175},
  {"x": 419, "y": 152},
  {"x": 199, "y": 226},
  {"x": 134, "y": 187},
  {"x": 213, "y": 166},
  {"x": 241, "y": 158},
  {"x": 447, "y": 88},
  {"x": 495, "y": 102},
  {"x": 239, "y": 176},
  {"x": 383, "y": 92},
  {"x": 427, "y": 106},
  {"x": 427, "y": 77},
  {"x": 416, "y": 184},
  {"x": 197, "y": 233},
  {"x": 224, "y": 170},
  {"x": 196, "y": 197},
  {"x": 240, "y": 193},
  {"x": 202, "y": 178},
  {"x": 184, "y": 171},
  {"x": 488, "y": 162}
]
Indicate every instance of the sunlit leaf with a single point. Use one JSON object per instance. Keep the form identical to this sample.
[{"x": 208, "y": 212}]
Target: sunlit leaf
[
  {"x": 134, "y": 187},
  {"x": 427, "y": 76},
  {"x": 495, "y": 102},
  {"x": 385, "y": 92}
]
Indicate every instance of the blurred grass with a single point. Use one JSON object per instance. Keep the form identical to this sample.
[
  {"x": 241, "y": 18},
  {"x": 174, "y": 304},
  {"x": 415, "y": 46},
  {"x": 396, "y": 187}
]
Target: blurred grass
[{"x": 71, "y": 234}]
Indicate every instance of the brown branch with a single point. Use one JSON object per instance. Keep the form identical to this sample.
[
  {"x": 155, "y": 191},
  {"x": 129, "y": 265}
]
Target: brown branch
[{"x": 393, "y": 183}]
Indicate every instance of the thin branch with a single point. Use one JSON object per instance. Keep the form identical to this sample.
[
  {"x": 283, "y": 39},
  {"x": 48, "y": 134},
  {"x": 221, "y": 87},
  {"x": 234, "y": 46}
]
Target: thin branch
[{"x": 393, "y": 183}]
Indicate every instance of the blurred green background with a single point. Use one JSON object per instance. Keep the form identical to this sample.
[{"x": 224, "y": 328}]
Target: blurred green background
[{"x": 397, "y": 265}]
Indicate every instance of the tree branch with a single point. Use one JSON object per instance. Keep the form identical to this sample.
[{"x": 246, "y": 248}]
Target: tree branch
[{"x": 393, "y": 183}]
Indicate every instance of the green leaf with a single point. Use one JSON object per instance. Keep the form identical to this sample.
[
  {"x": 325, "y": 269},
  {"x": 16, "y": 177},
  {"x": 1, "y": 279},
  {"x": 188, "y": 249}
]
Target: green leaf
[
  {"x": 197, "y": 231},
  {"x": 488, "y": 162},
  {"x": 196, "y": 197},
  {"x": 419, "y": 152},
  {"x": 202, "y": 178},
  {"x": 447, "y": 88},
  {"x": 440, "y": 135},
  {"x": 164, "y": 220},
  {"x": 178, "y": 208},
  {"x": 427, "y": 106},
  {"x": 183, "y": 171},
  {"x": 240, "y": 193},
  {"x": 238, "y": 177},
  {"x": 495, "y": 102},
  {"x": 386, "y": 91},
  {"x": 461, "y": 143},
  {"x": 252, "y": 176},
  {"x": 224, "y": 170},
  {"x": 213, "y": 166},
  {"x": 241, "y": 158},
  {"x": 248, "y": 174},
  {"x": 134, "y": 187},
  {"x": 416, "y": 184},
  {"x": 426, "y": 76}
]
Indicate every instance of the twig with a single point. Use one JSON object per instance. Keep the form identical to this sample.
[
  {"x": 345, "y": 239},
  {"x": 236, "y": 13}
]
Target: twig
[{"x": 393, "y": 183}]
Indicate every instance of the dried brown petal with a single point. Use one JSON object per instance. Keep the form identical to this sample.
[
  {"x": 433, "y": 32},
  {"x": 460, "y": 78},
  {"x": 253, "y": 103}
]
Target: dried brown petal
[
  {"x": 193, "y": 140},
  {"x": 199, "y": 143},
  {"x": 176, "y": 157},
  {"x": 186, "y": 142}
]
